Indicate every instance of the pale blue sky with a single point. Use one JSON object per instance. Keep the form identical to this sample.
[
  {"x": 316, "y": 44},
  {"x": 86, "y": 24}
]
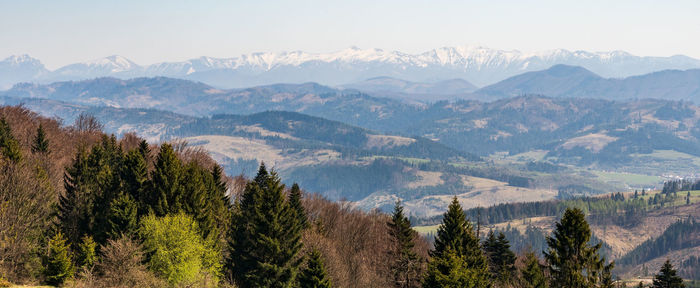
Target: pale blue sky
[{"x": 62, "y": 32}]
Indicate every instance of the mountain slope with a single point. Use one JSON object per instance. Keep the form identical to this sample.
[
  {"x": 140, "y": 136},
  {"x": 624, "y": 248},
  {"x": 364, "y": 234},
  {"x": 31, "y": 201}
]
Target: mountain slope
[
  {"x": 572, "y": 81},
  {"x": 480, "y": 65},
  {"x": 419, "y": 91}
]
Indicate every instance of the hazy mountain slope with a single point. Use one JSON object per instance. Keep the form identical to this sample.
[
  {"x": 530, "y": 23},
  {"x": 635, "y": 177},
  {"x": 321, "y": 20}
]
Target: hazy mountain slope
[
  {"x": 571, "y": 81},
  {"x": 15, "y": 69},
  {"x": 417, "y": 91},
  {"x": 479, "y": 65}
]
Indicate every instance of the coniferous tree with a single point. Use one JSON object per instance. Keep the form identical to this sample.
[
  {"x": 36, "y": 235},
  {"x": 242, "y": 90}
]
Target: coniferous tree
[
  {"x": 122, "y": 218},
  {"x": 105, "y": 160},
  {"x": 221, "y": 202},
  {"x": 297, "y": 207},
  {"x": 196, "y": 200},
  {"x": 134, "y": 177},
  {"x": 264, "y": 242},
  {"x": 533, "y": 273},
  {"x": 667, "y": 277},
  {"x": 9, "y": 147},
  {"x": 314, "y": 274},
  {"x": 87, "y": 256},
  {"x": 75, "y": 206},
  {"x": 572, "y": 262},
  {"x": 41, "y": 144},
  {"x": 501, "y": 259},
  {"x": 59, "y": 265},
  {"x": 607, "y": 280},
  {"x": 166, "y": 189},
  {"x": 405, "y": 266},
  {"x": 456, "y": 235}
]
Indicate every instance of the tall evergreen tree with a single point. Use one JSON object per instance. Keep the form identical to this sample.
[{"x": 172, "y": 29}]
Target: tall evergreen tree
[
  {"x": 572, "y": 261},
  {"x": 105, "y": 161},
  {"x": 264, "y": 242},
  {"x": 166, "y": 189},
  {"x": 9, "y": 147},
  {"x": 314, "y": 274},
  {"x": 667, "y": 277},
  {"x": 134, "y": 177},
  {"x": 196, "y": 199},
  {"x": 75, "y": 206},
  {"x": 450, "y": 270},
  {"x": 405, "y": 266},
  {"x": 501, "y": 258},
  {"x": 87, "y": 256},
  {"x": 122, "y": 218},
  {"x": 533, "y": 273},
  {"x": 456, "y": 235},
  {"x": 59, "y": 265},
  {"x": 41, "y": 144},
  {"x": 297, "y": 207}
]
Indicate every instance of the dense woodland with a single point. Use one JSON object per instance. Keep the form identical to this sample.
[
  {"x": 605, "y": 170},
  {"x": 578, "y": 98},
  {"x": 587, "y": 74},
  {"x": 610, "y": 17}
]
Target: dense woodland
[{"x": 79, "y": 208}]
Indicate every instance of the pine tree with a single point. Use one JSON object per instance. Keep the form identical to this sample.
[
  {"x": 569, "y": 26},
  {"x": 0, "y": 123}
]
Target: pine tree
[
  {"x": 314, "y": 274},
  {"x": 533, "y": 274},
  {"x": 501, "y": 258},
  {"x": 122, "y": 219},
  {"x": 456, "y": 235},
  {"x": 667, "y": 277},
  {"x": 9, "y": 147},
  {"x": 450, "y": 270},
  {"x": 572, "y": 262},
  {"x": 145, "y": 150},
  {"x": 607, "y": 280},
  {"x": 59, "y": 265},
  {"x": 87, "y": 256},
  {"x": 106, "y": 161},
  {"x": 41, "y": 144},
  {"x": 75, "y": 206},
  {"x": 196, "y": 200},
  {"x": 134, "y": 177},
  {"x": 264, "y": 242},
  {"x": 297, "y": 207},
  {"x": 404, "y": 269},
  {"x": 166, "y": 189}
]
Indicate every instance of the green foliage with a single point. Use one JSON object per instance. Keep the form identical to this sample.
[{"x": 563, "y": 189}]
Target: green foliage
[
  {"x": 314, "y": 274},
  {"x": 572, "y": 261},
  {"x": 533, "y": 273},
  {"x": 501, "y": 258},
  {"x": 405, "y": 267},
  {"x": 41, "y": 144},
  {"x": 134, "y": 177},
  {"x": 75, "y": 206},
  {"x": 59, "y": 265},
  {"x": 456, "y": 245},
  {"x": 87, "y": 256},
  {"x": 265, "y": 238},
  {"x": 667, "y": 277},
  {"x": 450, "y": 270},
  {"x": 9, "y": 147},
  {"x": 166, "y": 189},
  {"x": 176, "y": 251},
  {"x": 122, "y": 218},
  {"x": 296, "y": 206}
]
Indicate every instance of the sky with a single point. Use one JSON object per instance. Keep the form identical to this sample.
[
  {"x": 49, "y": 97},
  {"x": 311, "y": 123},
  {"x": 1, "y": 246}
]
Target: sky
[{"x": 68, "y": 31}]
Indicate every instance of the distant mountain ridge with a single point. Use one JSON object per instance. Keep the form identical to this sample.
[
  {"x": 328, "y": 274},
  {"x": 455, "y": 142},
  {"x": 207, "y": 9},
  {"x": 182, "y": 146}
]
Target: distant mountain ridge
[
  {"x": 573, "y": 81},
  {"x": 479, "y": 65}
]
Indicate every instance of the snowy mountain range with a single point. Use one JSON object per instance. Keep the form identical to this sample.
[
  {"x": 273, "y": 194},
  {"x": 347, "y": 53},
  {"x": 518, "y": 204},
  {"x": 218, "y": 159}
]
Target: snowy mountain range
[{"x": 478, "y": 65}]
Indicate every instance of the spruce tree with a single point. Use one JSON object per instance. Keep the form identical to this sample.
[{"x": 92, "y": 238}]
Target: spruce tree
[
  {"x": 87, "y": 256},
  {"x": 405, "y": 266},
  {"x": 456, "y": 235},
  {"x": 501, "y": 258},
  {"x": 41, "y": 144},
  {"x": 9, "y": 147},
  {"x": 196, "y": 200},
  {"x": 314, "y": 274},
  {"x": 667, "y": 277},
  {"x": 533, "y": 274},
  {"x": 106, "y": 161},
  {"x": 297, "y": 207},
  {"x": 134, "y": 177},
  {"x": 59, "y": 265},
  {"x": 75, "y": 206},
  {"x": 264, "y": 242},
  {"x": 166, "y": 189},
  {"x": 122, "y": 218},
  {"x": 572, "y": 261},
  {"x": 450, "y": 270}
]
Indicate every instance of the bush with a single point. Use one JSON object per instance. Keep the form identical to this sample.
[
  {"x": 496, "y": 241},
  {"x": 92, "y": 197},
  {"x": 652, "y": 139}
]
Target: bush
[{"x": 177, "y": 252}]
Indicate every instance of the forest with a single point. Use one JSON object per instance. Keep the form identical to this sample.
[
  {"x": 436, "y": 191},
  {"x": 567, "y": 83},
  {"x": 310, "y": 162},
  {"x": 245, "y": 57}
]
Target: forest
[{"x": 79, "y": 208}]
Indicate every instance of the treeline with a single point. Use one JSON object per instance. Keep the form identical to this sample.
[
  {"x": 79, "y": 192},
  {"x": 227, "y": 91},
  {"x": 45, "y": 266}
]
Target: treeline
[
  {"x": 613, "y": 209},
  {"x": 680, "y": 235}
]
